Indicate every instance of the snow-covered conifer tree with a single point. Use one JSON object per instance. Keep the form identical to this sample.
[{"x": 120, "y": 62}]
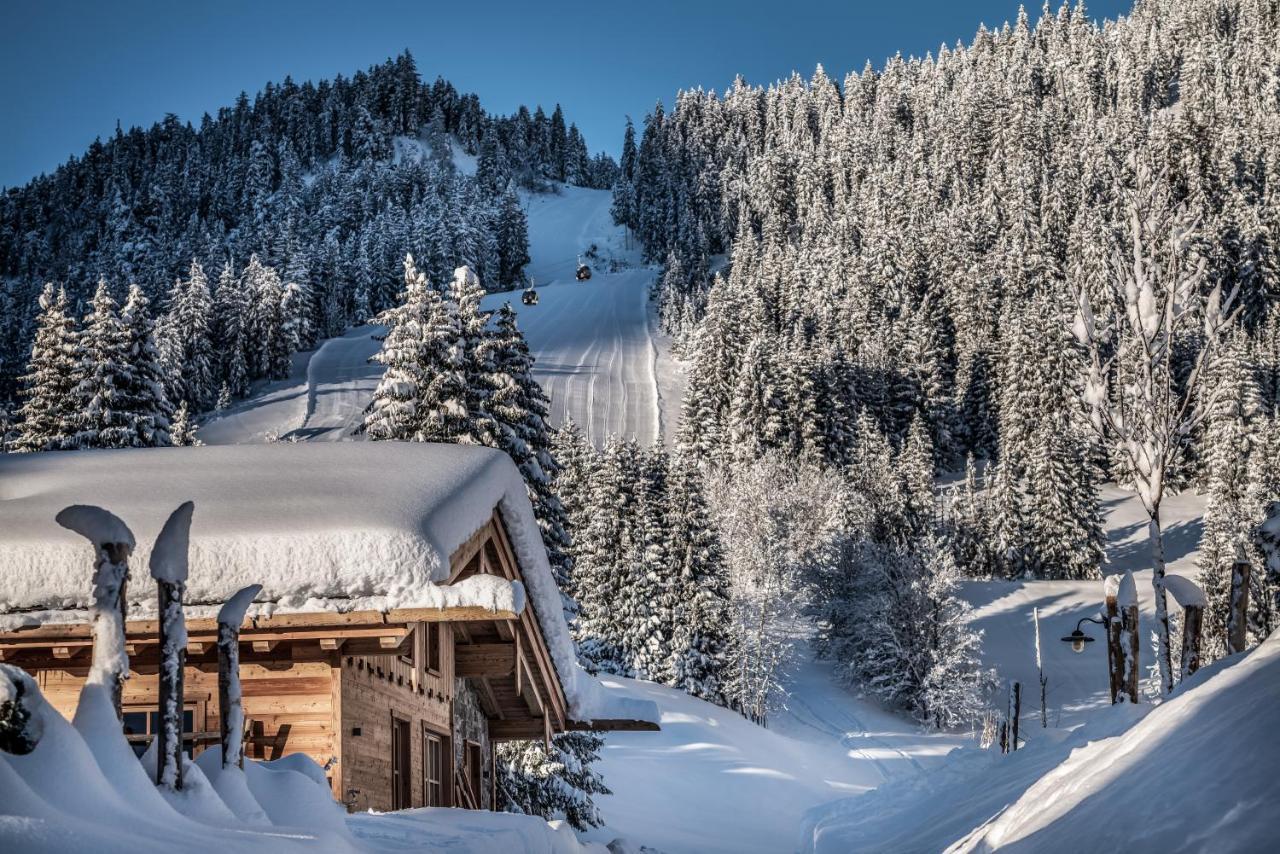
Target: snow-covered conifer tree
[
  {"x": 102, "y": 378},
  {"x": 144, "y": 392},
  {"x": 47, "y": 415}
]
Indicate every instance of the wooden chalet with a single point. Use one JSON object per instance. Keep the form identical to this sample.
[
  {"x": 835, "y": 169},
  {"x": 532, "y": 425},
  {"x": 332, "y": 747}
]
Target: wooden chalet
[{"x": 397, "y": 670}]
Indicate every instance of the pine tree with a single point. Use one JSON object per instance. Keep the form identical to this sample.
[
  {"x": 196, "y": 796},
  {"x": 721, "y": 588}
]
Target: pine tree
[
  {"x": 47, "y": 415},
  {"x": 182, "y": 433},
  {"x": 1230, "y": 443},
  {"x": 559, "y": 784},
  {"x": 475, "y": 357},
  {"x": 231, "y": 311},
  {"x": 422, "y": 395},
  {"x": 512, "y": 233},
  {"x": 700, "y": 656},
  {"x": 144, "y": 393}
]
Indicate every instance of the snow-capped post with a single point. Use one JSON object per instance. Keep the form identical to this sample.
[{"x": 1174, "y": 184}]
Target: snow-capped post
[
  {"x": 1139, "y": 399},
  {"x": 20, "y": 730},
  {"x": 1238, "y": 612},
  {"x": 230, "y": 706},
  {"x": 112, "y": 544},
  {"x": 1192, "y": 600},
  {"x": 1044, "y": 681},
  {"x": 169, "y": 569},
  {"x": 1017, "y": 714},
  {"x": 1124, "y": 624}
]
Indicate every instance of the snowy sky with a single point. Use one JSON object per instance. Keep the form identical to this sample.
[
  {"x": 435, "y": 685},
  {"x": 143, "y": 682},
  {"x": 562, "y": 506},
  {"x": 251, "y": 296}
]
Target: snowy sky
[{"x": 72, "y": 68}]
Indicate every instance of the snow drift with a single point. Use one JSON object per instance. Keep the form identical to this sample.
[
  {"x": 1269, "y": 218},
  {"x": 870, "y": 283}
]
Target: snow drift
[{"x": 1210, "y": 750}]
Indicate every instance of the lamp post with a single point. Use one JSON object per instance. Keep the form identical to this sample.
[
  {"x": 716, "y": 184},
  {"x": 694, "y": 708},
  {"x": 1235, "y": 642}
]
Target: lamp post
[{"x": 1078, "y": 639}]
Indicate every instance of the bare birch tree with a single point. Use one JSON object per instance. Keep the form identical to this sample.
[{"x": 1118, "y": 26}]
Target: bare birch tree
[{"x": 1141, "y": 405}]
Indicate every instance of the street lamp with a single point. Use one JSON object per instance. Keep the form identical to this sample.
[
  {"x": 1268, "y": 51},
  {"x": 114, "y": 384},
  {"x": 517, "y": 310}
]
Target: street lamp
[{"x": 1078, "y": 638}]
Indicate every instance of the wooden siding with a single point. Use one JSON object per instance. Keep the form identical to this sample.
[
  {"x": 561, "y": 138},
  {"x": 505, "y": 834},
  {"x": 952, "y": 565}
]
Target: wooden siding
[
  {"x": 290, "y": 706},
  {"x": 373, "y": 690}
]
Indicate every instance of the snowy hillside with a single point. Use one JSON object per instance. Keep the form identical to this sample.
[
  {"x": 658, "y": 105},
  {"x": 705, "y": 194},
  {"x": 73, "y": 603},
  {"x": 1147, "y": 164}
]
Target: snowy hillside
[{"x": 596, "y": 354}]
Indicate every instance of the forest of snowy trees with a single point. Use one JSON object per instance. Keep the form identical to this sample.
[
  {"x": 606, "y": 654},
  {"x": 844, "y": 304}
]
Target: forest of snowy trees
[
  {"x": 1050, "y": 255},
  {"x": 1035, "y": 263},
  {"x": 327, "y": 185}
]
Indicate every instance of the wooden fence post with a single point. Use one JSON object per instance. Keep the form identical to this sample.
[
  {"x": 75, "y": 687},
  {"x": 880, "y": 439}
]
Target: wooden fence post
[
  {"x": 1123, "y": 636},
  {"x": 1115, "y": 653},
  {"x": 1238, "y": 616},
  {"x": 1017, "y": 713},
  {"x": 230, "y": 705},
  {"x": 169, "y": 569},
  {"x": 1192, "y": 600}
]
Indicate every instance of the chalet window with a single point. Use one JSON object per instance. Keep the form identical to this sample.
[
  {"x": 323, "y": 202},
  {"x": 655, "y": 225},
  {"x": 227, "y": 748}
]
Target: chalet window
[
  {"x": 141, "y": 723},
  {"x": 433, "y": 634},
  {"x": 401, "y": 788},
  {"x": 433, "y": 753}
]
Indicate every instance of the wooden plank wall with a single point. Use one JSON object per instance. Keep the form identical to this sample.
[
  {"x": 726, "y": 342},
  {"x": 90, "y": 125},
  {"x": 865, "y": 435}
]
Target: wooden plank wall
[
  {"x": 373, "y": 689},
  {"x": 291, "y": 704}
]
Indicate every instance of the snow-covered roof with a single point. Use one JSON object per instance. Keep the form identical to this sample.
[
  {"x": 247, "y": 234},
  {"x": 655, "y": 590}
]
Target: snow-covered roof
[{"x": 322, "y": 527}]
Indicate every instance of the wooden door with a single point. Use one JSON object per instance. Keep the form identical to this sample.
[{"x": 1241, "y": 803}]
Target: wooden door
[{"x": 401, "y": 782}]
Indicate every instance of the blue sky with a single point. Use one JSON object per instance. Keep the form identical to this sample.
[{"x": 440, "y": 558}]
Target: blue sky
[{"x": 70, "y": 70}]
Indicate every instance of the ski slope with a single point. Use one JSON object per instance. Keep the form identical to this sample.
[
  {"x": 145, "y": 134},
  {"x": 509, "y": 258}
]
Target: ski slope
[{"x": 595, "y": 353}]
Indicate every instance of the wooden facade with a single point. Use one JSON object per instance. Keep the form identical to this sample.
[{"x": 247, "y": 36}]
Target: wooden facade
[{"x": 402, "y": 708}]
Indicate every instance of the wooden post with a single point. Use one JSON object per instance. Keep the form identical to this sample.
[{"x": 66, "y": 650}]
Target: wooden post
[
  {"x": 112, "y": 544},
  {"x": 1122, "y": 636},
  {"x": 1017, "y": 714},
  {"x": 1192, "y": 619},
  {"x": 230, "y": 705},
  {"x": 1131, "y": 637},
  {"x": 1115, "y": 654},
  {"x": 173, "y": 661},
  {"x": 1238, "y": 616},
  {"x": 1004, "y": 736},
  {"x": 169, "y": 569}
]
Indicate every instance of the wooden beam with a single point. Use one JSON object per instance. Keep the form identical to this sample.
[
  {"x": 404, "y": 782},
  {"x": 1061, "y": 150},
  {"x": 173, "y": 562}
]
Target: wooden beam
[
  {"x": 327, "y": 623},
  {"x": 484, "y": 659},
  {"x": 390, "y": 642},
  {"x": 487, "y": 697},
  {"x": 265, "y": 645},
  {"x": 463, "y": 554},
  {"x": 517, "y": 730},
  {"x": 66, "y": 652},
  {"x": 198, "y": 647},
  {"x": 332, "y": 644},
  {"x": 611, "y": 725},
  {"x": 528, "y": 689}
]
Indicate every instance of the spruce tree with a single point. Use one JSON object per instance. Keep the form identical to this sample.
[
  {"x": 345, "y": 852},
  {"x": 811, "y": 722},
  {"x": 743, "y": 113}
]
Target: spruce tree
[
  {"x": 700, "y": 655},
  {"x": 47, "y": 415},
  {"x": 146, "y": 400}
]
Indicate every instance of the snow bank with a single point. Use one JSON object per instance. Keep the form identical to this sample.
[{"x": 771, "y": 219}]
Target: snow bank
[
  {"x": 1214, "y": 752},
  {"x": 469, "y": 831},
  {"x": 342, "y": 527},
  {"x": 1211, "y": 748}
]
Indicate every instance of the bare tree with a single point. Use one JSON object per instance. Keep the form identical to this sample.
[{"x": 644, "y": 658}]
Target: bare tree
[{"x": 1141, "y": 405}]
